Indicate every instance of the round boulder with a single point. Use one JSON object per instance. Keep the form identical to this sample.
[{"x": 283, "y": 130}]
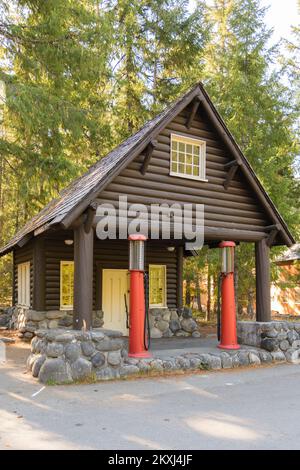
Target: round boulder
[
  {"x": 189, "y": 325},
  {"x": 155, "y": 333},
  {"x": 72, "y": 351},
  {"x": 54, "y": 349},
  {"x": 98, "y": 360},
  {"x": 174, "y": 325},
  {"x": 81, "y": 368},
  {"x": 55, "y": 371}
]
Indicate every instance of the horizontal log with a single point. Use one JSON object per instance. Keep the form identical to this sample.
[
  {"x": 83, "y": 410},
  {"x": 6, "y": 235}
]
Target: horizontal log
[{"x": 211, "y": 205}]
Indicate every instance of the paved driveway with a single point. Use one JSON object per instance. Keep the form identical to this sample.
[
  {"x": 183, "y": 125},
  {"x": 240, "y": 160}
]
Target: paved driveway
[{"x": 240, "y": 409}]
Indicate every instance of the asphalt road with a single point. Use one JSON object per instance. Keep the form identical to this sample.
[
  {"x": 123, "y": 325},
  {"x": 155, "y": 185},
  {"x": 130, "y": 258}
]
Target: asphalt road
[{"x": 245, "y": 409}]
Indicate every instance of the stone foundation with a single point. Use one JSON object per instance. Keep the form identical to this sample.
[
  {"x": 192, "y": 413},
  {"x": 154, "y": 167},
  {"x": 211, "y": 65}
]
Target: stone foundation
[
  {"x": 63, "y": 356},
  {"x": 166, "y": 322},
  {"x": 277, "y": 337},
  {"x": 27, "y": 321}
]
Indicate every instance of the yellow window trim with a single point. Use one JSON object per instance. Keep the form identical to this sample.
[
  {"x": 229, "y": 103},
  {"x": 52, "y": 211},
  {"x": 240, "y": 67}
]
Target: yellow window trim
[
  {"x": 62, "y": 306},
  {"x": 202, "y": 158},
  {"x": 164, "y": 303}
]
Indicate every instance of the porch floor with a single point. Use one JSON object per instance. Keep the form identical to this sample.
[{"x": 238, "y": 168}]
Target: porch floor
[{"x": 166, "y": 347}]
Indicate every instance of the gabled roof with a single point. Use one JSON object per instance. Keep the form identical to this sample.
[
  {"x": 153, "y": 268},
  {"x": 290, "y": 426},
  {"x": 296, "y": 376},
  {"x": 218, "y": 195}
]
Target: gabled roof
[{"x": 75, "y": 199}]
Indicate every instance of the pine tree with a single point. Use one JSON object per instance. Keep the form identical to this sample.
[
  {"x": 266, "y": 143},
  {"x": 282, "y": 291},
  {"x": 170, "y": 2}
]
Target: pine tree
[{"x": 56, "y": 67}]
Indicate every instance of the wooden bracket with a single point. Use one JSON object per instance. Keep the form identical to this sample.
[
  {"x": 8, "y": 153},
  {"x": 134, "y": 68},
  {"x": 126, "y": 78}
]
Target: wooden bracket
[
  {"x": 195, "y": 107},
  {"x": 233, "y": 167},
  {"x": 24, "y": 240},
  {"x": 275, "y": 229},
  {"x": 90, "y": 215},
  {"x": 149, "y": 151}
]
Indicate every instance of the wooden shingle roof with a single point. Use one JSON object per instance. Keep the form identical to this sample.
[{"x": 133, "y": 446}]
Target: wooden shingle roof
[{"x": 74, "y": 199}]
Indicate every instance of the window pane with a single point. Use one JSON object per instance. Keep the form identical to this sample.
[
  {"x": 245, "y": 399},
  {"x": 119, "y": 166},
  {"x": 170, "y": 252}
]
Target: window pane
[
  {"x": 189, "y": 169},
  {"x": 181, "y": 157},
  {"x": 181, "y": 168},
  {"x": 189, "y": 148},
  {"x": 174, "y": 156},
  {"x": 196, "y": 149},
  {"x": 189, "y": 159},
  {"x": 174, "y": 167},
  {"x": 181, "y": 147},
  {"x": 196, "y": 160},
  {"x": 157, "y": 285},
  {"x": 67, "y": 284},
  {"x": 196, "y": 171}
]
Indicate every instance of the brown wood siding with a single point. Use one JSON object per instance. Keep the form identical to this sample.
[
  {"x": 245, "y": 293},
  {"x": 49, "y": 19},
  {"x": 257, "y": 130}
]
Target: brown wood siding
[
  {"x": 110, "y": 254},
  {"x": 23, "y": 255},
  {"x": 236, "y": 208}
]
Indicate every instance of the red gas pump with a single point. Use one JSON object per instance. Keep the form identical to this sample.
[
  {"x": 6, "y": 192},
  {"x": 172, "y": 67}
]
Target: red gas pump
[
  {"x": 137, "y": 297},
  {"x": 228, "y": 315}
]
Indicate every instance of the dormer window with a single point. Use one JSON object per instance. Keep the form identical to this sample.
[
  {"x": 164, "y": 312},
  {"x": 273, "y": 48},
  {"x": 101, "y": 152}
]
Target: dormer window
[{"x": 187, "y": 157}]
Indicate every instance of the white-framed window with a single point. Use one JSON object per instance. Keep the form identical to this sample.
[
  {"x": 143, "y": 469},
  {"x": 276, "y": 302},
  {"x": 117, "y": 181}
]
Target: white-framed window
[
  {"x": 24, "y": 284},
  {"x": 157, "y": 285},
  {"x": 66, "y": 285},
  {"x": 188, "y": 156}
]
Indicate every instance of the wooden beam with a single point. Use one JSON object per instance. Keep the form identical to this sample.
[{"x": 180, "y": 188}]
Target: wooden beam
[
  {"x": 196, "y": 104},
  {"x": 231, "y": 163},
  {"x": 230, "y": 175},
  {"x": 179, "y": 277},
  {"x": 39, "y": 275},
  {"x": 83, "y": 278},
  {"x": 24, "y": 240},
  {"x": 272, "y": 237},
  {"x": 149, "y": 151},
  {"x": 263, "y": 285}
]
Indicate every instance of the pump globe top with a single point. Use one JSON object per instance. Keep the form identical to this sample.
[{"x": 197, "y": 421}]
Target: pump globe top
[
  {"x": 137, "y": 237},
  {"x": 226, "y": 244}
]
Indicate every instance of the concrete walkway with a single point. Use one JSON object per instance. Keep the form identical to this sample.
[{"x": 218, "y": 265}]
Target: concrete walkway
[{"x": 254, "y": 408}]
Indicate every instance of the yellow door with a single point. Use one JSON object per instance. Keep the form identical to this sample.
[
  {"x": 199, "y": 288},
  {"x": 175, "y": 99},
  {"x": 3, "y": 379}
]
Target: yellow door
[{"x": 114, "y": 287}]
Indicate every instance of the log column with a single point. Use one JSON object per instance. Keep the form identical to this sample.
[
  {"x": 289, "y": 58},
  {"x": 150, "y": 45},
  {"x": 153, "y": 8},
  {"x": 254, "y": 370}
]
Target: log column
[
  {"x": 263, "y": 286},
  {"x": 83, "y": 277},
  {"x": 179, "y": 277},
  {"x": 39, "y": 275}
]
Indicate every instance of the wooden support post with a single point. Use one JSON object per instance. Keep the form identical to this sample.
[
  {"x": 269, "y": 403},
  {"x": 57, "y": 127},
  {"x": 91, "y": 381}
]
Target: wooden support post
[
  {"x": 83, "y": 277},
  {"x": 263, "y": 286},
  {"x": 179, "y": 277},
  {"x": 39, "y": 275},
  {"x": 13, "y": 279},
  {"x": 98, "y": 287}
]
